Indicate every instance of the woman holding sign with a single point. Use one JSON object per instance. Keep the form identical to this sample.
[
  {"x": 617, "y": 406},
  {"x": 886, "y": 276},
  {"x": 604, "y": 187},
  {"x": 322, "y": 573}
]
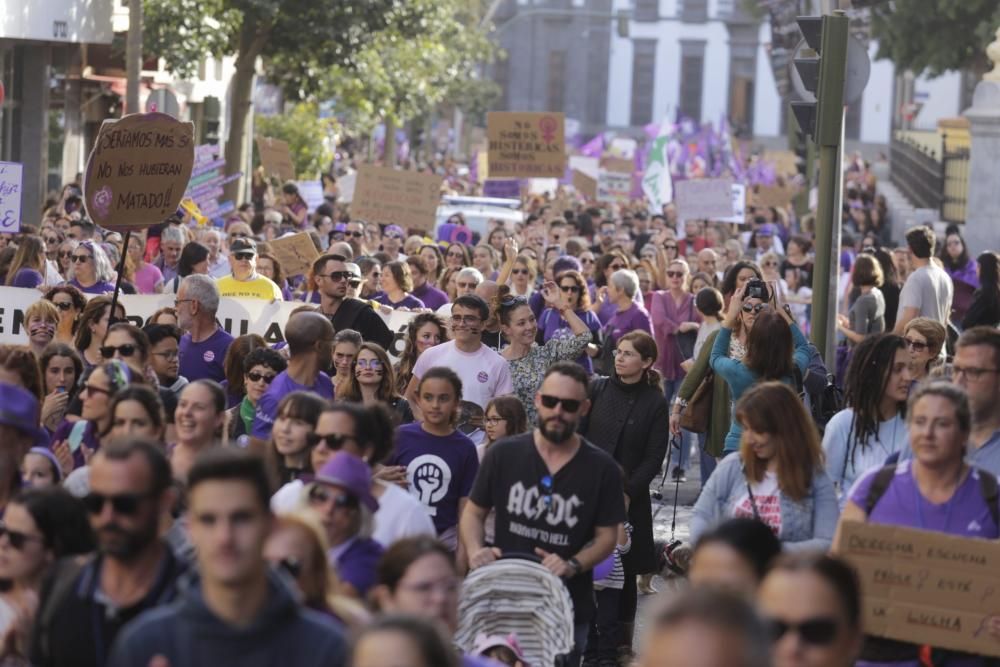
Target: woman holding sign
[{"x": 935, "y": 490}]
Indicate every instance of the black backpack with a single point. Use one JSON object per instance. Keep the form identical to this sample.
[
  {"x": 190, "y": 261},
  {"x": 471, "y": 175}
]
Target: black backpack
[
  {"x": 818, "y": 390},
  {"x": 883, "y": 478}
]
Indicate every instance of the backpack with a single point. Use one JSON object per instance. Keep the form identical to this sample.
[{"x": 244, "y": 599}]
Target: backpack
[
  {"x": 988, "y": 487},
  {"x": 818, "y": 390}
]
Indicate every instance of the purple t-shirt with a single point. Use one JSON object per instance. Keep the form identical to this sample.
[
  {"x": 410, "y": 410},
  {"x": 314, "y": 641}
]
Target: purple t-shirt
[
  {"x": 432, "y": 297},
  {"x": 635, "y": 318},
  {"x": 408, "y": 301},
  {"x": 606, "y": 311},
  {"x": 27, "y": 278},
  {"x": 100, "y": 287},
  {"x": 204, "y": 360},
  {"x": 267, "y": 406},
  {"x": 902, "y": 504},
  {"x": 552, "y": 325},
  {"x": 147, "y": 277},
  {"x": 440, "y": 470}
]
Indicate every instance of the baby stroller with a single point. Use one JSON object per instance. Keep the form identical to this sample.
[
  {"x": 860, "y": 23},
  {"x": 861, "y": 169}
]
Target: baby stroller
[{"x": 517, "y": 594}]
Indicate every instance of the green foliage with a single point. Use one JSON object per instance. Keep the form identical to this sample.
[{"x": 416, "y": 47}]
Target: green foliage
[
  {"x": 934, "y": 36},
  {"x": 305, "y": 133}
]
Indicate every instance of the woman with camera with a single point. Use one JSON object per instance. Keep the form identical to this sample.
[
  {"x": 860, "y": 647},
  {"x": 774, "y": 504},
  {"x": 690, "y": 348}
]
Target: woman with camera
[{"x": 775, "y": 346}]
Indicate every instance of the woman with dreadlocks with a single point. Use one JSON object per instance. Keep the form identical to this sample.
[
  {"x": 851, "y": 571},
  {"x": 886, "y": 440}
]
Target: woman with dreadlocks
[{"x": 872, "y": 426}]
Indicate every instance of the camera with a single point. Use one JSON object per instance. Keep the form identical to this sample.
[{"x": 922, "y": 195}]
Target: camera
[{"x": 757, "y": 289}]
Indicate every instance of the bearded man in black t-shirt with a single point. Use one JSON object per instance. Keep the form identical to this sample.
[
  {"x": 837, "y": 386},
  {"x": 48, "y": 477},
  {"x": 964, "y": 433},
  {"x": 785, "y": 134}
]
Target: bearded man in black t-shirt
[{"x": 555, "y": 495}]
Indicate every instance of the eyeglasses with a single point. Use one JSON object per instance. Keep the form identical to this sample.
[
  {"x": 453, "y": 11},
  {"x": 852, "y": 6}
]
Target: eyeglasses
[
  {"x": 373, "y": 364},
  {"x": 356, "y": 235},
  {"x": 670, "y": 246},
  {"x": 16, "y": 538},
  {"x": 569, "y": 404},
  {"x": 915, "y": 345},
  {"x": 108, "y": 351},
  {"x": 178, "y": 302},
  {"x": 752, "y": 308},
  {"x": 320, "y": 496},
  {"x": 495, "y": 420},
  {"x": 239, "y": 235},
  {"x": 971, "y": 372},
  {"x": 51, "y": 239},
  {"x": 330, "y": 441},
  {"x": 575, "y": 289},
  {"x": 254, "y": 376},
  {"x": 169, "y": 355},
  {"x": 546, "y": 484},
  {"x": 244, "y": 256},
  {"x": 336, "y": 276},
  {"x": 63, "y": 305},
  {"x": 675, "y": 274},
  {"x": 65, "y": 253},
  {"x": 80, "y": 259},
  {"x": 467, "y": 285},
  {"x": 769, "y": 264},
  {"x": 456, "y": 255},
  {"x": 91, "y": 389},
  {"x": 520, "y": 272},
  {"x": 815, "y": 631},
  {"x": 354, "y": 283},
  {"x": 125, "y": 504},
  {"x": 465, "y": 319}
]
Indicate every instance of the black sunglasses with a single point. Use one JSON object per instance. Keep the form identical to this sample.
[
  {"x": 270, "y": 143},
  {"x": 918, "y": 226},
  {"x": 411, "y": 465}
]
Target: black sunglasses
[
  {"x": 569, "y": 404},
  {"x": 319, "y": 496},
  {"x": 575, "y": 289},
  {"x": 63, "y": 305},
  {"x": 751, "y": 308},
  {"x": 125, "y": 504},
  {"x": 356, "y": 235},
  {"x": 80, "y": 259},
  {"x": 815, "y": 631},
  {"x": 331, "y": 441},
  {"x": 257, "y": 377},
  {"x": 108, "y": 351},
  {"x": 244, "y": 256},
  {"x": 337, "y": 276},
  {"x": 18, "y": 539}
]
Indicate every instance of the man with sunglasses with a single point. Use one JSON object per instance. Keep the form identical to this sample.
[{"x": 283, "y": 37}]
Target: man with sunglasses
[
  {"x": 235, "y": 610},
  {"x": 554, "y": 493},
  {"x": 332, "y": 276},
  {"x": 203, "y": 347},
  {"x": 85, "y": 605},
  {"x": 354, "y": 234},
  {"x": 244, "y": 281},
  {"x": 392, "y": 242}
]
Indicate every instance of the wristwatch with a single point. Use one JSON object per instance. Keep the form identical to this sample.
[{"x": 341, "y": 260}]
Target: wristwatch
[{"x": 575, "y": 564}]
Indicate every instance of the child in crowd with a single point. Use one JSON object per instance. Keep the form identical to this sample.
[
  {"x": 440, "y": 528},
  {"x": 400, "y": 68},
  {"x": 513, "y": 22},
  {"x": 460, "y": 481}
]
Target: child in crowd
[
  {"x": 292, "y": 436},
  {"x": 441, "y": 463},
  {"x": 605, "y": 628},
  {"x": 40, "y": 468}
]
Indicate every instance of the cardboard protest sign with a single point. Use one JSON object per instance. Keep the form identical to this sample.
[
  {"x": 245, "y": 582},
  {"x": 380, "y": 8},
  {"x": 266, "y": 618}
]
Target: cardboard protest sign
[
  {"x": 703, "y": 199},
  {"x": 312, "y": 193},
  {"x": 585, "y": 165},
  {"x": 739, "y": 216},
  {"x": 11, "y": 174},
  {"x": 205, "y": 187},
  {"x": 138, "y": 171},
  {"x": 617, "y": 164},
  {"x": 542, "y": 186},
  {"x": 295, "y": 253},
  {"x": 405, "y": 198},
  {"x": 346, "y": 184},
  {"x": 924, "y": 587},
  {"x": 584, "y": 184},
  {"x": 526, "y": 145},
  {"x": 785, "y": 162},
  {"x": 778, "y": 196},
  {"x": 613, "y": 186},
  {"x": 276, "y": 158}
]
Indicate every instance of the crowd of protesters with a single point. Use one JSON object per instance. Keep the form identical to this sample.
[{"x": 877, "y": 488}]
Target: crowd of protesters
[{"x": 174, "y": 495}]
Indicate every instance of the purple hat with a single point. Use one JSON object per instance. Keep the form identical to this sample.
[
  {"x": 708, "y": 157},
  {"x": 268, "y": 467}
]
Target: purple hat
[
  {"x": 352, "y": 474},
  {"x": 340, "y": 227},
  {"x": 47, "y": 453},
  {"x": 19, "y": 409},
  {"x": 767, "y": 229},
  {"x": 390, "y": 229},
  {"x": 566, "y": 263}
]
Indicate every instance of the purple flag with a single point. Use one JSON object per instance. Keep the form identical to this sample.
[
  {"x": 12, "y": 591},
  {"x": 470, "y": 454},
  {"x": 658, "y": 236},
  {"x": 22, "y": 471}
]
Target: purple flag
[{"x": 594, "y": 147}]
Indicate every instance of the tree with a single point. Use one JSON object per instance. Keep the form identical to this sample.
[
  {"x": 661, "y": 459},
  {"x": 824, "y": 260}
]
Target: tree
[
  {"x": 305, "y": 132},
  {"x": 934, "y": 36},
  {"x": 327, "y": 33}
]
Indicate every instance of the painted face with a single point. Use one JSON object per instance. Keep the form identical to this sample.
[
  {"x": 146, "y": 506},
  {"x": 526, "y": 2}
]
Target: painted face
[{"x": 428, "y": 335}]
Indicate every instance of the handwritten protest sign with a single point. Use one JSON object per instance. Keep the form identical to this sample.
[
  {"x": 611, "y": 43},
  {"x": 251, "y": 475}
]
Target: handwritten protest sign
[
  {"x": 205, "y": 187},
  {"x": 11, "y": 174},
  {"x": 704, "y": 199},
  {"x": 613, "y": 186},
  {"x": 345, "y": 185},
  {"x": 526, "y": 145},
  {"x": 138, "y": 171},
  {"x": 739, "y": 216},
  {"x": 924, "y": 587},
  {"x": 312, "y": 193},
  {"x": 276, "y": 158},
  {"x": 405, "y": 198},
  {"x": 295, "y": 253},
  {"x": 586, "y": 185}
]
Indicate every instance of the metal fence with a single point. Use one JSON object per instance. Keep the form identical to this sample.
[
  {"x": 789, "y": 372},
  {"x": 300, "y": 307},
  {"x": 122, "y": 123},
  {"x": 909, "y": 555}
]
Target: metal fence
[{"x": 932, "y": 176}]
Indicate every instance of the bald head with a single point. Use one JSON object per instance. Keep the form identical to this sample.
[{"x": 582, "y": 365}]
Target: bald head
[
  {"x": 487, "y": 290},
  {"x": 342, "y": 248},
  {"x": 305, "y": 329}
]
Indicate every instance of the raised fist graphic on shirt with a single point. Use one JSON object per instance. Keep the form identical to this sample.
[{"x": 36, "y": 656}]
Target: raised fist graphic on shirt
[{"x": 429, "y": 477}]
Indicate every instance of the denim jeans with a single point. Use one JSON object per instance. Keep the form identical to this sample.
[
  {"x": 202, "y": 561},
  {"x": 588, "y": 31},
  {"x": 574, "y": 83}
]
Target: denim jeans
[
  {"x": 706, "y": 461},
  {"x": 670, "y": 389}
]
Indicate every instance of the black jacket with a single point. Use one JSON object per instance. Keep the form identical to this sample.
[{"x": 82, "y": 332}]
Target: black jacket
[
  {"x": 360, "y": 316},
  {"x": 630, "y": 422},
  {"x": 984, "y": 311}
]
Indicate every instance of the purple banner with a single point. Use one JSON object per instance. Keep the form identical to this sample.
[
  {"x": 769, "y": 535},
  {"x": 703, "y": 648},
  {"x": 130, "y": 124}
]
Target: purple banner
[{"x": 507, "y": 188}]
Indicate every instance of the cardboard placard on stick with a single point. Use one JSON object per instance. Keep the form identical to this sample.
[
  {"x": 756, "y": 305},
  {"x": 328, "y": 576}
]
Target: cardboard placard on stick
[
  {"x": 617, "y": 165},
  {"x": 778, "y": 196},
  {"x": 924, "y": 587},
  {"x": 405, "y": 198},
  {"x": 295, "y": 253},
  {"x": 276, "y": 158},
  {"x": 526, "y": 145},
  {"x": 613, "y": 186},
  {"x": 585, "y": 185},
  {"x": 138, "y": 170},
  {"x": 704, "y": 199}
]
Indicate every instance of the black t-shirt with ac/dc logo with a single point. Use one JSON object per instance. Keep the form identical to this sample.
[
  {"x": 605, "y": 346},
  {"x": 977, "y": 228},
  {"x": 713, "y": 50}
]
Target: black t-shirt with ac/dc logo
[{"x": 585, "y": 493}]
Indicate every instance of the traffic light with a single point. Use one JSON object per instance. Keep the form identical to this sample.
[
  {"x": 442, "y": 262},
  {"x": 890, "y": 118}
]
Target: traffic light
[{"x": 823, "y": 75}]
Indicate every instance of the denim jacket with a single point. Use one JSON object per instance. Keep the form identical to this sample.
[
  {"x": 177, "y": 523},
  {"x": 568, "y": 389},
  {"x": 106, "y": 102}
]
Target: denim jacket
[{"x": 805, "y": 524}]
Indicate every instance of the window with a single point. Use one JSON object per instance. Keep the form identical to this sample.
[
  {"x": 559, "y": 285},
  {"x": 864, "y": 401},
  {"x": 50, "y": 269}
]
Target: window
[
  {"x": 557, "y": 81},
  {"x": 692, "y": 71},
  {"x": 694, "y": 11},
  {"x": 643, "y": 80},
  {"x": 647, "y": 10}
]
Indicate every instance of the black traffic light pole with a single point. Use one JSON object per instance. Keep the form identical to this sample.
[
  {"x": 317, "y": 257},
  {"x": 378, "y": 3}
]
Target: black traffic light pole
[{"x": 824, "y": 121}]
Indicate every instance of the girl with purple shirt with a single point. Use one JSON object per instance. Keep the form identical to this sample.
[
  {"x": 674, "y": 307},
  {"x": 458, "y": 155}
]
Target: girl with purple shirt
[
  {"x": 935, "y": 490},
  {"x": 441, "y": 463},
  {"x": 27, "y": 269},
  {"x": 397, "y": 283},
  {"x": 552, "y": 325}
]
